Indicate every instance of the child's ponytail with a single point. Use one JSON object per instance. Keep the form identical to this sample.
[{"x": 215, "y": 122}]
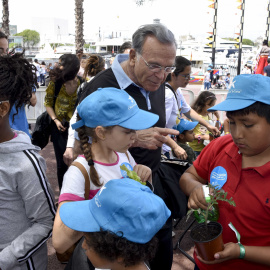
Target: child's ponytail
[{"x": 86, "y": 148}]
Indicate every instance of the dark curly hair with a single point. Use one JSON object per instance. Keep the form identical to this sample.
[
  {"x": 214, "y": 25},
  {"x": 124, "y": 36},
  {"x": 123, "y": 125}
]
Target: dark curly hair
[
  {"x": 71, "y": 65},
  {"x": 110, "y": 246},
  {"x": 94, "y": 65},
  {"x": 18, "y": 78}
]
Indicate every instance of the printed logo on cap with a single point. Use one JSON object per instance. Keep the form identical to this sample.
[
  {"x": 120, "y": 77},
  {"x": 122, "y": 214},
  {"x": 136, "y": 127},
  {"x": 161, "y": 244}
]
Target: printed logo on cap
[
  {"x": 129, "y": 167},
  {"x": 218, "y": 177}
]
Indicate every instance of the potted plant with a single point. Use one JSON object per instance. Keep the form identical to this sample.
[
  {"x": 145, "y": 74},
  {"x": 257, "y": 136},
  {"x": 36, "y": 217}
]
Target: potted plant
[{"x": 207, "y": 236}]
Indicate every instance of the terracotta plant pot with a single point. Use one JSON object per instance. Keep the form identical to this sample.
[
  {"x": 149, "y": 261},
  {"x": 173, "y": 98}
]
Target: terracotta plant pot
[{"x": 208, "y": 239}]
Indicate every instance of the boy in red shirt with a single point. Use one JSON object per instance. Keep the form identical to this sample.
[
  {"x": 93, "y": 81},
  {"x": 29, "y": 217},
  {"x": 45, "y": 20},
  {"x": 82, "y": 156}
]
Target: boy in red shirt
[{"x": 240, "y": 164}]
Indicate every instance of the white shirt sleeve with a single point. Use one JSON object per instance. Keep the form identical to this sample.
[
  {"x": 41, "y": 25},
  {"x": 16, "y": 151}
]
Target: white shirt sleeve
[
  {"x": 182, "y": 101},
  {"x": 71, "y": 132},
  {"x": 169, "y": 100}
]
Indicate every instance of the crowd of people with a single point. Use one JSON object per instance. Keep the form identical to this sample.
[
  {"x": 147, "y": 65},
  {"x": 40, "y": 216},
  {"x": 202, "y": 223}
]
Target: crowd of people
[{"x": 110, "y": 129}]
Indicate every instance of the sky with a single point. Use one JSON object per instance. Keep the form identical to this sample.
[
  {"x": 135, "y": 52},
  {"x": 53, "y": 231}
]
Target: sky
[{"x": 182, "y": 17}]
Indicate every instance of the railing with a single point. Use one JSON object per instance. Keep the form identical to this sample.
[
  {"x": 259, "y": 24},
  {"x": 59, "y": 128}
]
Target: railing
[{"x": 32, "y": 113}]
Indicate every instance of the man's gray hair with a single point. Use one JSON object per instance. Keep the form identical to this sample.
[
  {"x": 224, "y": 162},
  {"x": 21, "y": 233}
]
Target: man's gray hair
[{"x": 159, "y": 31}]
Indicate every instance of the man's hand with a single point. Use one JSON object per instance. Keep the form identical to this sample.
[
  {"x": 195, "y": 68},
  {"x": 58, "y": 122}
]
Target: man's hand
[
  {"x": 68, "y": 156},
  {"x": 152, "y": 138},
  {"x": 180, "y": 152}
]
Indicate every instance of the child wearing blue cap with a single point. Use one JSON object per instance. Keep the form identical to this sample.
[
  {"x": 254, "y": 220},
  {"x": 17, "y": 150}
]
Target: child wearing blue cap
[
  {"x": 186, "y": 135},
  {"x": 240, "y": 164},
  {"x": 110, "y": 117},
  {"x": 119, "y": 224}
]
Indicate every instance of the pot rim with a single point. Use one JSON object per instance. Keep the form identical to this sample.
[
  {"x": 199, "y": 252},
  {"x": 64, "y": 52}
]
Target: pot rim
[{"x": 215, "y": 223}]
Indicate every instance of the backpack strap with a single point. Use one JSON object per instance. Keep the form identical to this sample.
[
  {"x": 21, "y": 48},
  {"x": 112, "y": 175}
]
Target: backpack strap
[
  {"x": 57, "y": 88},
  {"x": 127, "y": 156},
  {"x": 86, "y": 178}
]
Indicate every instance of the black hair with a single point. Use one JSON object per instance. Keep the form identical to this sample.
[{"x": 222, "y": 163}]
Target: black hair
[
  {"x": 94, "y": 65},
  {"x": 259, "y": 108},
  {"x": 18, "y": 78},
  {"x": 180, "y": 64},
  {"x": 110, "y": 246},
  {"x": 71, "y": 66},
  {"x": 268, "y": 60},
  {"x": 201, "y": 100},
  {"x": 265, "y": 42},
  {"x": 3, "y": 35},
  {"x": 124, "y": 46}
]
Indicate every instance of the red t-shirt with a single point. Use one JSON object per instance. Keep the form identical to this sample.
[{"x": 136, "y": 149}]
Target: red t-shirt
[{"x": 250, "y": 189}]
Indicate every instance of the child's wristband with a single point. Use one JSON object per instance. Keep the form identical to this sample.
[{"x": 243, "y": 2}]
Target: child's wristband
[
  {"x": 238, "y": 236},
  {"x": 227, "y": 133},
  {"x": 242, "y": 251}
]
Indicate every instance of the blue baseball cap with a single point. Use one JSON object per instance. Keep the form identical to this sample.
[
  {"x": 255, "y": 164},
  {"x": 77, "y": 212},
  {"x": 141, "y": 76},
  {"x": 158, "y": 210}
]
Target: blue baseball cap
[
  {"x": 245, "y": 90},
  {"x": 122, "y": 206},
  {"x": 209, "y": 68},
  {"x": 111, "y": 106},
  {"x": 186, "y": 125}
]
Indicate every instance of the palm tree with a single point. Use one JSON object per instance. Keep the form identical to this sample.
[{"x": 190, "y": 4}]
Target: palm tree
[
  {"x": 79, "y": 41},
  {"x": 5, "y": 18}
]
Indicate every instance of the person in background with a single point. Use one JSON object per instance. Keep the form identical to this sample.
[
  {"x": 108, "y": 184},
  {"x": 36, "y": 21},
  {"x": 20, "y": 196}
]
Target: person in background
[
  {"x": 266, "y": 69},
  {"x": 17, "y": 116},
  {"x": 26, "y": 198},
  {"x": 241, "y": 161},
  {"x": 3, "y": 43},
  {"x": 64, "y": 77},
  {"x": 186, "y": 134},
  {"x": 125, "y": 47},
  {"x": 176, "y": 105},
  {"x": 94, "y": 65},
  {"x": 203, "y": 102},
  {"x": 126, "y": 242},
  {"x": 42, "y": 73},
  {"x": 206, "y": 79},
  {"x": 228, "y": 80},
  {"x": 264, "y": 54},
  {"x": 37, "y": 65},
  {"x": 83, "y": 62}
]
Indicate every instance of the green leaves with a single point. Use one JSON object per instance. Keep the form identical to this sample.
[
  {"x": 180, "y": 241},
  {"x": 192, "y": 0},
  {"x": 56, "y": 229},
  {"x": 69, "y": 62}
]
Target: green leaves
[
  {"x": 212, "y": 211},
  {"x": 131, "y": 174}
]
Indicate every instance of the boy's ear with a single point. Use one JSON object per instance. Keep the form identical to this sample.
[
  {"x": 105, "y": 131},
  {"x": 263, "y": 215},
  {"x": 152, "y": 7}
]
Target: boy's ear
[
  {"x": 100, "y": 132},
  {"x": 4, "y": 109},
  {"x": 181, "y": 136}
]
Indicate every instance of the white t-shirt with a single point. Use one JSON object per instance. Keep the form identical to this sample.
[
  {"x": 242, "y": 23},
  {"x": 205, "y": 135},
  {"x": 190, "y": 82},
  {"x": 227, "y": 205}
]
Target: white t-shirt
[
  {"x": 207, "y": 77},
  {"x": 74, "y": 184},
  {"x": 172, "y": 110}
]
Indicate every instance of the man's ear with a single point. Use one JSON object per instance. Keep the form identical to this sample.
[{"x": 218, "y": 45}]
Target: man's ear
[
  {"x": 4, "y": 109},
  {"x": 132, "y": 57}
]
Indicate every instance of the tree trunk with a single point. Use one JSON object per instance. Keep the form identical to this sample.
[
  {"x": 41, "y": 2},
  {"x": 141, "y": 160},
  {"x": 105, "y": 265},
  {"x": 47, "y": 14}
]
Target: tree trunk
[
  {"x": 5, "y": 18},
  {"x": 79, "y": 41}
]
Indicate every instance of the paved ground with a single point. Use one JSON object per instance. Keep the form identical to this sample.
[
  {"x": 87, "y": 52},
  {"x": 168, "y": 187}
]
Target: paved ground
[{"x": 180, "y": 262}]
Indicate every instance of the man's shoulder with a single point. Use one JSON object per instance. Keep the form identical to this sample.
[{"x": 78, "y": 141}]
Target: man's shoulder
[{"x": 267, "y": 68}]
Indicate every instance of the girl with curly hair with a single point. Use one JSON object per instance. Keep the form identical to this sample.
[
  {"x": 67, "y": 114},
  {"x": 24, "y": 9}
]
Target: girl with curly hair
[{"x": 26, "y": 199}]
